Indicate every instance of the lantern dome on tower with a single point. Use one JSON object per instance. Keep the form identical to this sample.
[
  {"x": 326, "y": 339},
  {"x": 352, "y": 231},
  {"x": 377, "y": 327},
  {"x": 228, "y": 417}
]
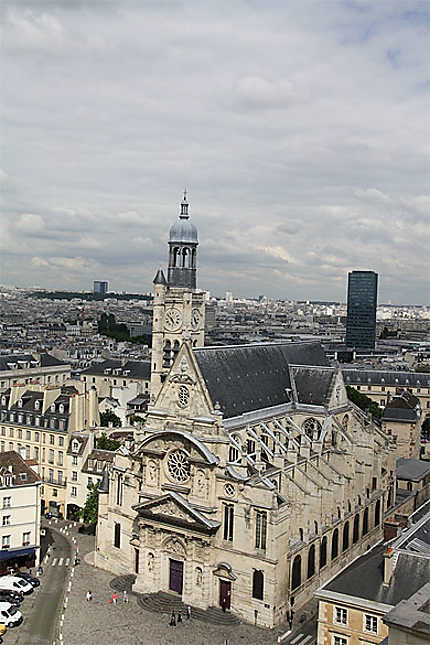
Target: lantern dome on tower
[{"x": 183, "y": 231}]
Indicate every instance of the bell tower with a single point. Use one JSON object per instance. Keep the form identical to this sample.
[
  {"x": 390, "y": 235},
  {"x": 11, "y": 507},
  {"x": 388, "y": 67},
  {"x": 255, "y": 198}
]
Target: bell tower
[
  {"x": 183, "y": 244},
  {"x": 179, "y": 307}
]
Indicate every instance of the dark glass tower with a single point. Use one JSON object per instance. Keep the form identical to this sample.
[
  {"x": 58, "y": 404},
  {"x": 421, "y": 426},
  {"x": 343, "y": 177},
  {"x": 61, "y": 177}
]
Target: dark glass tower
[{"x": 361, "y": 314}]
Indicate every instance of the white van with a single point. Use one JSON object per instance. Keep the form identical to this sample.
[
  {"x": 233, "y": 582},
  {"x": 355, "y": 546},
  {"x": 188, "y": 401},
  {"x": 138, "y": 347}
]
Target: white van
[
  {"x": 10, "y": 615},
  {"x": 12, "y": 583}
]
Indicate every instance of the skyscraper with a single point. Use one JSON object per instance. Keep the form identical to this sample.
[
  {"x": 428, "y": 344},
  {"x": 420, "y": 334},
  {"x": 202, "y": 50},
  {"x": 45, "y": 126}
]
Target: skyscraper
[
  {"x": 361, "y": 314},
  {"x": 100, "y": 287}
]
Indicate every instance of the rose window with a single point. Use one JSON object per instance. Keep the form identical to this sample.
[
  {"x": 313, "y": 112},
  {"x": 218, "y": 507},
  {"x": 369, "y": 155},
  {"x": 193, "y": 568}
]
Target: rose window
[
  {"x": 183, "y": 396},
  {"x": 178, "y": 466}
]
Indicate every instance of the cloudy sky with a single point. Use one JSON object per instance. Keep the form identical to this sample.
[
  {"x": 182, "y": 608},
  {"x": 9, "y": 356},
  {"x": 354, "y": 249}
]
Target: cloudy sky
[{"x": 300, "y": 128}]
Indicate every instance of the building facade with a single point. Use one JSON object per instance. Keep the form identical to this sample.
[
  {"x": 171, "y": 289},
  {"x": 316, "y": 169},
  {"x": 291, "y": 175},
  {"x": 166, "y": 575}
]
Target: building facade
[
  {"x": 255, "y": 479},
  {"x": 32, "y": 368},
  {"x": 353, "y": 606},
  {"x": 20, "y": 512},
  {"x": 100, "y": 287},
  {"x": 36, "y": 422},
  {"x": 361, "y": 309}
]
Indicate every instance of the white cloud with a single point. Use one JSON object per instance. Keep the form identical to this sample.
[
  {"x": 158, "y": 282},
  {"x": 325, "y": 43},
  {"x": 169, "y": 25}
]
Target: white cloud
[{"x": 299, "y": 129}]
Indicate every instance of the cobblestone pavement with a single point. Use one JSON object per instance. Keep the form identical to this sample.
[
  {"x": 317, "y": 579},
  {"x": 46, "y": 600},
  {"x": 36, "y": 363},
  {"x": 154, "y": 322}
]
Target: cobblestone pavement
[{"x": 98, "y": 622}]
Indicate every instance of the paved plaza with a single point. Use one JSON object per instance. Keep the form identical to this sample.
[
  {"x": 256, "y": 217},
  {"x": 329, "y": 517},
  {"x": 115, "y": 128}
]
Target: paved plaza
[{"x": 98, "y": 622}]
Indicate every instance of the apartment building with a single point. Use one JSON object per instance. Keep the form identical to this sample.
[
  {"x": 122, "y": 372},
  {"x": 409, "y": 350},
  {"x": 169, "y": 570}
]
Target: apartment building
[
  {"x": 36, "y": 422},
  {"x": 19, "y": 512},
  {"x": 29, "y": 368}
]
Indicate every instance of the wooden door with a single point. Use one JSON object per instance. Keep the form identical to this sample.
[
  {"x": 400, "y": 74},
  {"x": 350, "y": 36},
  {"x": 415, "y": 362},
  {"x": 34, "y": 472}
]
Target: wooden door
[
  {"x": 176, "y": 576},
  {"x": 224, "y": 594}
]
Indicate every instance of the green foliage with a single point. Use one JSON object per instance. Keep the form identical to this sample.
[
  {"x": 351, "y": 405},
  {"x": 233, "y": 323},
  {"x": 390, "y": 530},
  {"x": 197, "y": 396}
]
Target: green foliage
[
  {"x": 108, "y": 326},
  {"x": 109, "y": 417},
  {"x": 87, "y": 295},
  {"x": 135, "y": 418},
  {"x": 105, "y": 443},
  {"x": 363, "y": 402},
  {"x": 90, "y": 511}
]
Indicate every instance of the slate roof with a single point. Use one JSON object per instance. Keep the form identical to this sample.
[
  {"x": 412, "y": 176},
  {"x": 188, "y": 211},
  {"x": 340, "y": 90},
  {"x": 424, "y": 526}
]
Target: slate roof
[
  {"x": 243, "y": 378},
  {"x": 365, "y": 577},
  {"x": 400, "y": 415},
  {"x": 46, "y": 360},
  {"x": 313, "y": 384},
  {"x": 98, "y": 456},
  {"x": 412, "y": 469},
  {"x": 386, "y": 377},
  {"x": 136, "y": 369}
]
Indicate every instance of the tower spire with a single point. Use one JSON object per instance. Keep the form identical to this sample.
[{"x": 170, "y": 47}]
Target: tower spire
[{"x": 184, "y": 206}]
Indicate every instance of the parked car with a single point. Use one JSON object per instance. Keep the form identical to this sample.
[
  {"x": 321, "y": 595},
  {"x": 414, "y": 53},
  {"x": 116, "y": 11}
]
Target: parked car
[
  {"x": 12, "y": 583},
  {"x": 3, "y": 629},
  {"x": 10, "y": 615},
  {"x": 35, "y": 582},
  {"x": 14, "y": 597}
]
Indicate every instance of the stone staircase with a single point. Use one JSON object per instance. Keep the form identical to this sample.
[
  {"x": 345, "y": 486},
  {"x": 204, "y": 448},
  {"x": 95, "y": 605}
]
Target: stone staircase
[{"x": 165, "y": 603}]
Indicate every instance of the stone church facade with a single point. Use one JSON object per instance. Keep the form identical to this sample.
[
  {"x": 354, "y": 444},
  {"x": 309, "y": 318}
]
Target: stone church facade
[{"x": 254, "y": 481}]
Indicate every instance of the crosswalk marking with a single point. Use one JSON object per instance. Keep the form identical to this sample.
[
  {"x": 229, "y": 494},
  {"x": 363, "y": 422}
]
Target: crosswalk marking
[
  {"x": 60, "y": 563},
  {"x": 54, "y": 562},
  {"x": 67, "y": 562},
  {"x": 296, "y": 639},
  {"x": 306, "y": 640}
]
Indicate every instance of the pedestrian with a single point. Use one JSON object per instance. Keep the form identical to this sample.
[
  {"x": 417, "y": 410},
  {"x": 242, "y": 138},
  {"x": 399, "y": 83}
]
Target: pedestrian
[
  {"x": 188, "y": 612},
  {"x": 125, "y": 595},
  {"x": 39, "y": 570},
  {"x": 172, "y": 620},
  {"x": 89, "y": 595},
  {"x": 179, "y": 617},
  {"x": 115, "y": 598}
]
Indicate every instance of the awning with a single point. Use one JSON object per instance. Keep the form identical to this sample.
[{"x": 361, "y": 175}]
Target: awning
[{"x": 9, "y": 554}]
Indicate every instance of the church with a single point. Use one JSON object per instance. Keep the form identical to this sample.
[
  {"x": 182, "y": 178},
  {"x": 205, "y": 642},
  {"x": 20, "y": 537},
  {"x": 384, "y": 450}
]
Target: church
[{"x": 254, "y": 479}]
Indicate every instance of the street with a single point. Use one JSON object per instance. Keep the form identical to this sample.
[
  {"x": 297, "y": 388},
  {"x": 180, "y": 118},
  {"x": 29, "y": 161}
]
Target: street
[{"x": 42, "y": 608}]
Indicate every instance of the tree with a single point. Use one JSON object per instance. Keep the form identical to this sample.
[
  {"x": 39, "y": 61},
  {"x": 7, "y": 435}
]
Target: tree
[
  {"x": 90, "y": 511},
  {"x": 104, "y": 443},
  {"x": 109, "y": 417},
  {"x": 363, "y": 402},
  {"x": 135, "y": 419}
]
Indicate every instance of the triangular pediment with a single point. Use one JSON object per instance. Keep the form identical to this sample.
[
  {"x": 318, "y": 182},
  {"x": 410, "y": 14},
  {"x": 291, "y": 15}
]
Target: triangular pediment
[
  {"x": 184, "y": 393},
  {"x": 172, "y": 508}
]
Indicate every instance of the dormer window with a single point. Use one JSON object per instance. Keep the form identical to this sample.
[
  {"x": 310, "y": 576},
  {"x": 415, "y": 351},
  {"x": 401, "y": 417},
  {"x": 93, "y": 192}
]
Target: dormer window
[
  {"x": 8, "y": 480},
  {"x": 61, "y": 408},
  {"x": 23, "y": 477},
  {"x": 53, "y": 407},
  {"x": 20, "y": 403},
  {"x": 3, "y": 400},
  {"x": 99, "y": 466},
  {"x": 75, "y": 446},
  {"x": 90, "y": 464},
  {"x": 37, "y": 405}
]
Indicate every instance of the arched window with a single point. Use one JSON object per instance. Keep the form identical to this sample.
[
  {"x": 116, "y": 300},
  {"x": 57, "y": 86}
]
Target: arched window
[
  {"x": 335, "y": 544},
  {"x": 301, "y": 534},
  {"x": 356, "y": 529},
  {"x": 193, "y": 258},
  {"x": 339, "y": 514},
  {"x": 167, "y": 349},
  {"x": 345, "y": 537},
  {"x": 233, "y": 454},
  {"x": 311, "y": 561},
  {"x": 312, "y": 428},
  {"x": 257, "y": 585},
  {"x": 316, "y": 527},
  {"x": 175, "y": 256},
  {"x": 185, "y": 253},
  {"x": 345, "y": 422},
  {"x": 117, "y": 535},
  {"x": 323, "y": 552},
  {"x": 296, "y": 578},
  {"x": 377, "y": 512},
  {"x": 365, "y": 521}
]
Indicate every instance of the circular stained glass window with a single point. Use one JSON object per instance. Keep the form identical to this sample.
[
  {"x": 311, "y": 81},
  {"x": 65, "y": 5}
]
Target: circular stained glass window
[
  {"x": 229, "y": 490},
  {"x": 178, "y": 466},
  {"x": 183, "y": 396}
]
